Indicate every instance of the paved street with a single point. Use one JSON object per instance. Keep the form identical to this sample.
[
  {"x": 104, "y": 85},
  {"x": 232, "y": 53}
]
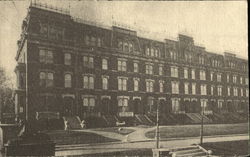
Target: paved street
[{"x": 118, "y": 146}]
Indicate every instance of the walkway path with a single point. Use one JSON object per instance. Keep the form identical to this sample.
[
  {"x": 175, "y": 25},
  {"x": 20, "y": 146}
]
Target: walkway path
[
  {"x": 139, "y": 134},
  {"x": 111, "y": 135}
]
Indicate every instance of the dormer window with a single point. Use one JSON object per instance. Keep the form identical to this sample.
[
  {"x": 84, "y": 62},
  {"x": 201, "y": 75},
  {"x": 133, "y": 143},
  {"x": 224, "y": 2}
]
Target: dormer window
[
  {"x": 99, "y": 42},
  {"x": 147, "y": 51},
  {"x": 156, "y": 53},
  {"x": 152, "y": 52},
  {"x": 130, "y": 47},
  {"x": 125, "y": 47},
  {"x": 93, "y": 41},
  {"x": 120, "y": 45},
  {"x": 86, "y": 40}
]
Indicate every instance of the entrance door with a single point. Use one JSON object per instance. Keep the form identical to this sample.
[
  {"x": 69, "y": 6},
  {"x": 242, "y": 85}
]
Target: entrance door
[
  {"x": 105, "y": 106},
  {"x": 193, "y": 106},
  {"x": 230, "y": 106},
  {"x": 68, "y": 103},
  {"x": 162, "y": 107},
  {"x": 136, "y": 106},
  {"x": 187, "y": 106}
]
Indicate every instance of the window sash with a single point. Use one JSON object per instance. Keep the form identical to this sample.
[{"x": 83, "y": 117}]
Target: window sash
[
  {"x": 185, "y": 73},
  {"x": 104, "y": 64},
  {"x": 136, "y": 85},
  {"x": 67, "y": 80},
  {"x": 104, "y": 83},
  {"x": 193, "y": 89},
  {"x": 160, "y": 70},
  {"x": 67, "y": 59},
  {"x": 136, "y": 67}
]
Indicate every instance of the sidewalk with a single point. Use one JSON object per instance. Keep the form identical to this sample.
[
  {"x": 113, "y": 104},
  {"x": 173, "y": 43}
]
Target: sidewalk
[{"x": 119, "y": 146}]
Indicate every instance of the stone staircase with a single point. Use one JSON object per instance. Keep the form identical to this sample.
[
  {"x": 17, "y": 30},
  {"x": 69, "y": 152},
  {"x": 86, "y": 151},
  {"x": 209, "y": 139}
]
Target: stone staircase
[
  {"x": 196, "y": 118},
  {"x": 142, "y": 119},
  {"x": 189, "y": 151},
  {"x": 110, "y": 120},
  {"x": 74, "y": 122}
]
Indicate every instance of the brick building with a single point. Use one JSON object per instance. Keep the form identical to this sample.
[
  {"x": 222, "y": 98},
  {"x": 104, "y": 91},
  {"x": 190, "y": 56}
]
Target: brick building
[{"x": 78, "y": 68}]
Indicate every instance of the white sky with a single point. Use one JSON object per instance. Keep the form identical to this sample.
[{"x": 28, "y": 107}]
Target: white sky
[{"x": 219, "y": 26}]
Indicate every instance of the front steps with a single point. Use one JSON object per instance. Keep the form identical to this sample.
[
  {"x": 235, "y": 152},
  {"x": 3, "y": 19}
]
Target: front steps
[{"x": 188, "y": 151}]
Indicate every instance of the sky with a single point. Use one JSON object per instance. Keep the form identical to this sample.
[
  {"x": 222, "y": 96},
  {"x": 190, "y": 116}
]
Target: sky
[{"x": 218, "y": 26}]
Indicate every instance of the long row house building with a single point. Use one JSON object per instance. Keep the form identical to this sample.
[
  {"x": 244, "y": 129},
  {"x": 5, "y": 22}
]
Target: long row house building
[{"x": 73, "y": 68}]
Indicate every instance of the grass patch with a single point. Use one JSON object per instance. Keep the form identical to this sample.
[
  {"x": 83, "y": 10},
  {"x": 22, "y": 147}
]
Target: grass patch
[
  {"x": 74, "y": 137},
  {"x": 123, "y": 131},
  {"x": 194, "y": 130},
  {"x": 227, "y": 148},
  {"x": 135, "y": 152}
]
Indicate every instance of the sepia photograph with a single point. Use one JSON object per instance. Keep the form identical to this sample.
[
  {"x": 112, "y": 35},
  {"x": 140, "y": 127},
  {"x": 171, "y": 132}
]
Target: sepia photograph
[{"x": 124, "y": 78}]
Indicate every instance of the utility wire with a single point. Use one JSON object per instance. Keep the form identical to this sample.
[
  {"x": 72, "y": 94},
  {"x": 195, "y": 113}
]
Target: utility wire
[
  {"x": 15, "y": 7},
  {"x": 1, "y": 15}
]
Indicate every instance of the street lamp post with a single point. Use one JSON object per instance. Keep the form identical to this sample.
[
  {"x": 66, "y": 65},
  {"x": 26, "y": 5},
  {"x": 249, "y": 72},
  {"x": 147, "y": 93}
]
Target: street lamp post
[
  {"x": 157, "y": 126},
  {"x": 201, "y": 131}
]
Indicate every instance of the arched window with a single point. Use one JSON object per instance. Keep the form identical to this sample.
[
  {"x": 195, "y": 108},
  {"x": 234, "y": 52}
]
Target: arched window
[
  {"x": 105, "y": 83},
  {"x": 67, "y": 81},
  {"x": 136, "y": 85}
]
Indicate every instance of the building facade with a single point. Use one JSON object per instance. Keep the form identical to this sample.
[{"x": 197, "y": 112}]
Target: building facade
[{"x": 72, "y": 67}]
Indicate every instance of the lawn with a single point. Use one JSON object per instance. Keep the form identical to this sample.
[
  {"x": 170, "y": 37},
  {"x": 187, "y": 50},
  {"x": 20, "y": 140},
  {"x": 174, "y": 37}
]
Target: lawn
[
  {"x": 133, "y": 152},
  {"x": 228, "y": 148},
  {"x": 123, "y": 131},
  {"x": 194, "y": 130},
  {"x": 73, "y": 137}
]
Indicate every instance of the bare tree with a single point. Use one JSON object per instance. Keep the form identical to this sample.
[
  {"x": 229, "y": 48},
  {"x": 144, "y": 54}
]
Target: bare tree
[{"x": 6, "y": 100}]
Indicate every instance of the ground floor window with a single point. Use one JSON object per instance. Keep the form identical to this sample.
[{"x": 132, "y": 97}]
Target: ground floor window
[
  {"x": 175, "y": 105},
  {"x": 89, "y": 103},
  {"x": 122, "y": 104},
  {"x": 204, "y": 106},
  {"x": 220, "y": 104}
]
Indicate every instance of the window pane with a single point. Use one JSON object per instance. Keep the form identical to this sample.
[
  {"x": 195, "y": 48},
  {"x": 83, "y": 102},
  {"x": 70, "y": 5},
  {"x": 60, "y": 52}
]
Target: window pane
[
  {"x": 125, "y": 103},
  {"x": 105, "y": 83},
  {"x": 119, "y": 65},
  {"x": 67, "y": 59},
  {"x": 85, "y": 102},
  {"x": 91, "y": 82},
  {"x": 120, "y": 103},
  {"x": 91, "y": 62},
  {"x": 67, "y": 79},
  {"x": 91, "y": 102},
  {"x": 124, "y": 84},
  {"x": 49, "y": 58},
  {"x": 104, "y": 64},
  {"x": 85, "y": 82},
  {"x": 42, "y": 56},
  {"x": 119, "y": 84}
]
